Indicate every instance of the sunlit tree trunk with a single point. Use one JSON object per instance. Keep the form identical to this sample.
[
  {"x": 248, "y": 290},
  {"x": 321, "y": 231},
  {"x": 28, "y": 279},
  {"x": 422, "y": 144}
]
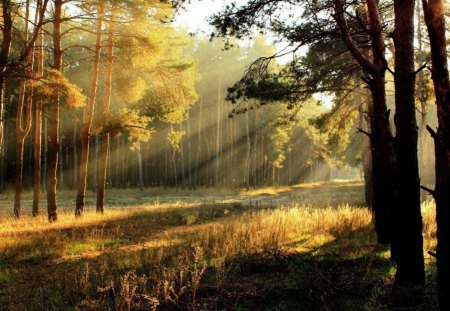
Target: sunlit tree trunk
[
  {"x": 139, "y": 167},
  {"x": 45, "y": 153},
  {"x": 174, "y": 164},
  {"x": 183, "y": 177},
  {"x": 75, "y": 154},
  {"x": 102, "y": 171},
  {"x": 25, "y": 102},
  {"x": 38, "y": 130},
  {"x": 61, "y": 153},
  {"x": 249, "y": 147},
  {"x": 189, "y": 151},
  {"x": 424, "y": 165},
  {"x": 218, "y": 133},
  {"x": 85, "y": 131},
  {"x": 53, "y": 118},
  {"x": 199, "y": 143},
  {"x": 434, "y": 18}
]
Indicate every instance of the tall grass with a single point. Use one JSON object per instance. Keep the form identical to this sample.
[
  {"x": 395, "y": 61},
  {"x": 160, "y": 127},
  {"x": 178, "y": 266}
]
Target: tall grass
[{"x": 157, "y": 254}]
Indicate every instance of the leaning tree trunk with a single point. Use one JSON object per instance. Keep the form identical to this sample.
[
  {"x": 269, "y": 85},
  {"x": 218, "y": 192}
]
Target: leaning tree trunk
[
  {"x": 434, "y": 18},
  {"x": 407, "y": 237},
  {"x": 85, "y": 131},
  {"x": 104, "y": 154}
]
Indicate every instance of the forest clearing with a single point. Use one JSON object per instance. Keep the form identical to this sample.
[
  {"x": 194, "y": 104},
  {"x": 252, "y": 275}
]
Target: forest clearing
[{"x": 309, "y": 247}]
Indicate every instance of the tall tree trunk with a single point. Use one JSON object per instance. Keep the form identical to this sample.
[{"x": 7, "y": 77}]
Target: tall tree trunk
[
  {"x": 53, "y": 119},
  {"x": 408, "y": 239},
  {"x": 434, "y": 18},
  {"x": 424, "y": 165},
  {"x": 85, "y": 131},
  {"x": 7, "y": 25},
  {"x": 189, "y": 151},
  {"x": 199, "y": 143},
  {"x": 25, "y": 98},
  {"x": 38, "y": 131},
  {"x": 44, "y": 158},
  {"x": 102, "y": 172},
  {"x": 61, "y": 154},
  {"x": 183, "y": 177},
  {"x": 218, "y": 133},
  {"x": 249, "y": 147},
  {"x": 75, "y": 154},
  {"x": 139, "y": 166}
]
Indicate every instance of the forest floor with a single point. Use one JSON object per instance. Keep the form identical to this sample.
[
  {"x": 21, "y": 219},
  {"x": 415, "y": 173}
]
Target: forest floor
[{"x": 305, "y": 247}]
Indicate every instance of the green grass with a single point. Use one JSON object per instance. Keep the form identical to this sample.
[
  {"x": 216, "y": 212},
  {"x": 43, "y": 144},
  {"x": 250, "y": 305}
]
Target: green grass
[{"x": 307, "y": 247}]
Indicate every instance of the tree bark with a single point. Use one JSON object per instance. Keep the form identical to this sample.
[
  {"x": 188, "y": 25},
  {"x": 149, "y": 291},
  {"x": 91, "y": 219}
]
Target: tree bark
[
  {"x": 38, "y": 131},
  {"x": 139, "y": 166},
  {"x": 407, "y": 218},
  {"x": 85, "y": 132},
  {"x": 25, "y": 102},
  {"x": 6, "y": 29},
  {"x": 102, "y": 172},
  {"x": 53, "y": 119},
  {"x": 247, "y": 156},
  {"x": 218, "y": 134},
  {"x": 434, "y": 18}
]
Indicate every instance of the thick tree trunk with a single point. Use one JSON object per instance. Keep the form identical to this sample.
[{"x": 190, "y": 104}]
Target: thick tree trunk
[
  {"x": 383, "y": 157},
  {"x": 53, "y": 119},
  {"x": 407, "y": 218},
  {"x": 434, "y": 18},
  {"x": 7, "y": 24},
  {"x": 102, "y": 171},
  {"x": 85, "y": 131}
]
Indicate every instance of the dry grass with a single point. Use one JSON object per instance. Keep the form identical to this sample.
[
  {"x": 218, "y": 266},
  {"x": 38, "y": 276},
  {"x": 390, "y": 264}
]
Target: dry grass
[{"x": 156, "y": 254}]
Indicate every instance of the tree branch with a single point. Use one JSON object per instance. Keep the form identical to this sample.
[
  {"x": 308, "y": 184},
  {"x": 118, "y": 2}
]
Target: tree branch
[
  {"x": 420, "y": 69},
  {"x": 432, "y": 133},
  {"x": 365, "y": 63},
  {"x": 430, "y": 191},
  {"x": 360, "y": 130}
]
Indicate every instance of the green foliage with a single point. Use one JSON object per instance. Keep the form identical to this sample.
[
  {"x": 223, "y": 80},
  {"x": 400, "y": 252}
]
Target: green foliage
[{"x": 129, "y": 121}]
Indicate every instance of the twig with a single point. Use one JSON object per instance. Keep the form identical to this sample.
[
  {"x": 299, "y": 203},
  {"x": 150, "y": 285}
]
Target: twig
[
  {"x": 431, "y": 192},
  {"x": 360, "y": 130}
]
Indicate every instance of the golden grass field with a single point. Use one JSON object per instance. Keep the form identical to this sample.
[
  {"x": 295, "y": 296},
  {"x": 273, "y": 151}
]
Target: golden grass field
[{"x": 309, "y": 247}]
